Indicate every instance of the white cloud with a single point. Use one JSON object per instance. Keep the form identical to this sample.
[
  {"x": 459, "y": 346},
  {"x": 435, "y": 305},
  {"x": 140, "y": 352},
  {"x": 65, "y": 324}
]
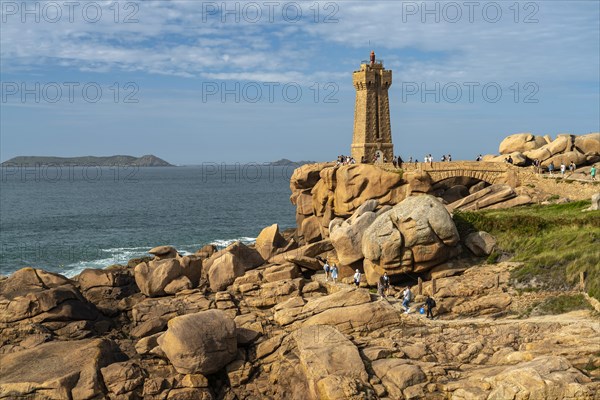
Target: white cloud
[{"x": 177, "y": 38}]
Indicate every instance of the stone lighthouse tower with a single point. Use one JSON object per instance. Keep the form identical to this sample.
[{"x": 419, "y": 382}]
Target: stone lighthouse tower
[{"x": 372, "y": 130}]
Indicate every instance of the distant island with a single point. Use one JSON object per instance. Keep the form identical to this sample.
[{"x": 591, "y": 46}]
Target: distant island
[
  {"x": 284, "y": 162},
  {"x": 110, "y": 161}
]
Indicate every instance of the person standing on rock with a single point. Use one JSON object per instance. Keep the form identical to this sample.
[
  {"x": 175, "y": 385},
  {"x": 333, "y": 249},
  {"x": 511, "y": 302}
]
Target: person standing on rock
[
  {"x": 357, "y": 278},
  {"x": 334, "y": 273},
  {"x": 536, "y": 163},
  {"x": 430, "y": 305},
  {"x": 572, "y": 167},
  {"x": 386, "y": 283},
  {"x": 381, "y": 288},
  {"x": 551, "y": 167},
  {"x": 593, "y": 172},
  {"x": 327, "y": 268},
  {"x": 407, "y": 295},
  {"x": 563, "y": 169}
]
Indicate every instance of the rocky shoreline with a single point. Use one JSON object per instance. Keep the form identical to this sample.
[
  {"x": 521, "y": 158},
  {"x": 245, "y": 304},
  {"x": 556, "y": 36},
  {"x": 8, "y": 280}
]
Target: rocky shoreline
[
  {"x": 251, "y": 322},
  {"x": 262, "y": 322}
]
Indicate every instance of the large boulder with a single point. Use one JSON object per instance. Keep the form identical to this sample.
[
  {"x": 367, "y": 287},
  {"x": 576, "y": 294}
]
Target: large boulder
[
  {"x": 397, "y": 375},
  {"x": 413, "y": 236},
  {"x": 304, "y": 203},
  {"x": 329, "y": 362},
  {"x": 163, "y": 252},
  {"x": 123, "y": 378},
  {"x": 518, "y": 158},
  {"x": 346, "y": 237},
  {"x": 355, "y": 184},
  {"x": 480, "y": 243},
  {"x": 521, "y": 142},
  {"x": 559, "y": 145},
  {"x": 455, "y": 193},
  {"x": 153, "y": 277},
  {"x": 337, "y": 302},
  {"x": 57, "y": 370},
  {"x": 418, "y": 181},
  {"x": 310, "y": 230},
  {"x": 588, "y": 144},
  {"x": 304, "y": 256},
  {"x": 487, "y": 197},
  {"x": 566, "y": 157},
  {"x": 226, "y": 265},
  {"x": 106, "y": 287},
  {"x": 368, "y": 316},
  {"x": 200, "y": 343},
  {"x": 41, "y": 296},
  {"x": 595, "y": 203},
  {"x": 306, "y": 176},
  {"x": 269, "y": 240},
  {"x": 152, "y": 314},
  {"x": 547, "y": 377}
]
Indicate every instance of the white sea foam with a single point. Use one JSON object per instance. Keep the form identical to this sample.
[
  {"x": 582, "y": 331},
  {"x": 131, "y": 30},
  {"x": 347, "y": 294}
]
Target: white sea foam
[
  {"x": 121, "y": 255},
  {"x": 222, "y": 243}
]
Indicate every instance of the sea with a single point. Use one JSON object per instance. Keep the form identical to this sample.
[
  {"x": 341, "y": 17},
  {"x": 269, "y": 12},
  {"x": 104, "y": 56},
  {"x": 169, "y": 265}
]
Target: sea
[{"x": 68, "y": 218}]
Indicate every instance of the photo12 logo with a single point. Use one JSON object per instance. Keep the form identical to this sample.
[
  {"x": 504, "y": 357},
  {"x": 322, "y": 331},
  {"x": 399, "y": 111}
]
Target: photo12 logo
[
  {"x": 54, "y": 92},
  {"x": 471, "y": 92},
  {"x": 54, "y": 173},
  {"x": 470, "y": 11},
  {"x": 269, "y": 12},
  {"x": 252, "y": 172},
  {"x": 53, "y": 12},
  {"x": 254, "y": 92}
]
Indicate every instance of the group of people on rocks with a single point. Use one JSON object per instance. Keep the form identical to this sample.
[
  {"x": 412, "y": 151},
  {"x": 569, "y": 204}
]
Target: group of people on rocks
[
  {"x": 383, "y": 288},
  {"x": 330, "y": 271},
  {"x": 345, "y": 160},
  {"x": 563, "y": 168}
]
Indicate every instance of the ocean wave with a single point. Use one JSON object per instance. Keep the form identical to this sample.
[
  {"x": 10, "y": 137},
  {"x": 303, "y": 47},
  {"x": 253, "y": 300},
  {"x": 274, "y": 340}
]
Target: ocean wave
[
  {"x": 121, "y": 255},
  {"x": 222, "y": 243}
]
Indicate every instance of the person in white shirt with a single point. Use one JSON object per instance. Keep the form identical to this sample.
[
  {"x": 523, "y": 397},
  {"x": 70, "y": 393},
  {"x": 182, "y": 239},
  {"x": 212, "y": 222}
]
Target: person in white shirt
[
  {"x": 407, "y": 297},
  {"x": 357, "y": 278}
]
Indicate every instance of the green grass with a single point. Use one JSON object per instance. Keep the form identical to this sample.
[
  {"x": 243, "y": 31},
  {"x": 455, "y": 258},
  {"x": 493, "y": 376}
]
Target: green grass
[
  {"x": 562, "y": 304},
  {"x": 554, "y": 242}
]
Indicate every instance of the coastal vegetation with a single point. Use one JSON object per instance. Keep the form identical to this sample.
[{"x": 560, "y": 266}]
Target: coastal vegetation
[{"x": 554, "y": 242}]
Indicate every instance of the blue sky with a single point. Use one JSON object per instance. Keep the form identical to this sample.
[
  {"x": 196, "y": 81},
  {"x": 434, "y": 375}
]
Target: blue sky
[{"x": 194, "y": 81}]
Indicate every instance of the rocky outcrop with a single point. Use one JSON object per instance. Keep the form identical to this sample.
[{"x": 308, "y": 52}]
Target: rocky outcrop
[
  {"x": 305, "y": 256},
  {"x": 277, "y": 334},
  {"x": 413, "y": 236},
  {"x": 270, "y": 242},
  {"x": 57, "y": 370},
  {"x": 521, "y": 142},
  {"x": 322, "y": 192},
  {"x": 330, "y": 363},
  {"x": 524, "y": 148},
  {"x": 106, "y": 288},
  {"x": 489, "y": 196},
  {"x": 46, "y": 305},
  {"x": 168, "y": 272},
  {"x": 154, "y": 277},
  {"x": 163, "y": 252},
  {"x": 200, "y": 343},
  {"x": 595, "y": 203},
  {"x": 346, "y": 237},
  {"x": 480, "y": 243},
  {"x": 226, "y": 265}
]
